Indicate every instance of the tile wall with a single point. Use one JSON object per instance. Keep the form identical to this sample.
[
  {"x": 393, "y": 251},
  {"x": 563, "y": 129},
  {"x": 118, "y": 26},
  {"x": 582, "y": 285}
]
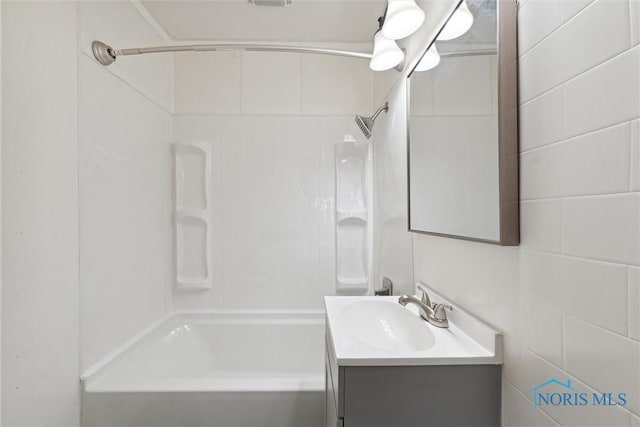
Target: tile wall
[
  {"x": 40, "y": 322},
  {"x": 567, "y": 298},
  {"x": 273, "y": 120}
]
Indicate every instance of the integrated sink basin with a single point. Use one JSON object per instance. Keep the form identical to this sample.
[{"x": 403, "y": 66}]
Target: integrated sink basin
[
  {"x": 379, "y": 352},
  {"x": 384, "y": 326},
  {"x": 377, "y": 331}
]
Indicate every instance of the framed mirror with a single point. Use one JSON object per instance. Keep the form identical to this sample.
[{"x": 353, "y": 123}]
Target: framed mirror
[{"x": 463, "y": 127}]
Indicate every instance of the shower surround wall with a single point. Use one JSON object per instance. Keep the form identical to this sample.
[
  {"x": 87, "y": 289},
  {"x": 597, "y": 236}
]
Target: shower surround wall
[
  {"x": 273, "y": 120},
  {"x": 567, "y": 299},
  {"x": 125, "y": 178}
]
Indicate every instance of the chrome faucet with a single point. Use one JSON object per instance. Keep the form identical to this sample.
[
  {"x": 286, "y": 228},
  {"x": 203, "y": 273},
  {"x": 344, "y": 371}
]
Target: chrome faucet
[{"x": 433, "y": 313}]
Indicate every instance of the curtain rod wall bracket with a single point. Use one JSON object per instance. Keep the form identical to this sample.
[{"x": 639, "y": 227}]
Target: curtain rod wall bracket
[{"x": 103, "y": 53}]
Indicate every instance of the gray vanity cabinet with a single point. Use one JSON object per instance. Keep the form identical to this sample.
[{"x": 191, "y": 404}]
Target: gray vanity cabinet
[{"x": 411, "y": 396}]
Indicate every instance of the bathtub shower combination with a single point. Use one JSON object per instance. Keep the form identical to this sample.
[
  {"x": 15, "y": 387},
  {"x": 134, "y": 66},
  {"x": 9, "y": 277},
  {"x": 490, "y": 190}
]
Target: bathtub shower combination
[
  {"x": 214, "y": 369},
  {"x": 241, "y": 368}
]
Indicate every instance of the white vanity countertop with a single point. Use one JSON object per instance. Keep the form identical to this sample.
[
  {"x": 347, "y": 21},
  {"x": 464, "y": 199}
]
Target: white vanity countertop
[{"x": 377, "y": 331}]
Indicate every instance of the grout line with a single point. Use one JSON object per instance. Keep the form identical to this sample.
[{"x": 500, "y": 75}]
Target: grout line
[
  {"x": 608, "y": 331},
  {"x": 629, "y": 303},
  {"x": 562, "y": 25},
  {"x": 569, "y": 374},
  {"x": 530, "y": 401},
  {"x": 616, "y": 264},
  {"x": 580, "y": 74},
  {"x": 130, "y": 85},
  {"x": 563, "y": 350},
  {"x": 580, "y": 135},
  {"x": 544, "y": 38},
  {"x": 630, "y": 19},
  {"x": 582, "y": 196},
  {"x": 563, "y": 242},
  {"x": 631, "y": 131}
]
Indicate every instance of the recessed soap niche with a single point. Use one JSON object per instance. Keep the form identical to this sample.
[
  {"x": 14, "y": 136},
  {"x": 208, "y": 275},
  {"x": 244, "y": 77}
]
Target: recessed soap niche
[
  {"x": 352, "y": 215},
  {"x": 193, "y": 172}
]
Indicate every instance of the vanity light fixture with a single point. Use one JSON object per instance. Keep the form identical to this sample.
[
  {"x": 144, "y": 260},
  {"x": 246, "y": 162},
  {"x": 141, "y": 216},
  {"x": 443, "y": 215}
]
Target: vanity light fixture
[
  {"x": 386, "y": 53},
  {"x": 402, "y": 18},
  {"x": 458, "y": 24},
  {"x": 430, "y": 59}
]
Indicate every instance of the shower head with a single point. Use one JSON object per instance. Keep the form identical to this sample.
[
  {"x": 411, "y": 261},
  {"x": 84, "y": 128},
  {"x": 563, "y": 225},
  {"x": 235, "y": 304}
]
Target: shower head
[{"x": 366, "y": 123}]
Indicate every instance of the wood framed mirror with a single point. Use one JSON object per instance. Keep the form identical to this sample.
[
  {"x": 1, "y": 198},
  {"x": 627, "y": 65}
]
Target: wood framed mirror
[{"x": 463, "y": 128}]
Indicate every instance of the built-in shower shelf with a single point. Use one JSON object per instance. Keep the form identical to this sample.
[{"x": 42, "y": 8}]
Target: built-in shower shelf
[
  {"x": 341, "y": 216},
  {"x": 352, "y": 215},
  {"x": 193, "y": 169},
  {"x": 353, "y": 282}
]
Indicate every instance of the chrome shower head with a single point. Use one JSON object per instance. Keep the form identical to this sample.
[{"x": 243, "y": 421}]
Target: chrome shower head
[{"x": 366, "y": 123}]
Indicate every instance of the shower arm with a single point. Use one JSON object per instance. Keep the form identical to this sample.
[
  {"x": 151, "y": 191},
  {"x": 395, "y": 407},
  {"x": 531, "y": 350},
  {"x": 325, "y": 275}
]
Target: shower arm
[
  {"x": 106, "y": 55},
  {"x": 384, "y": 108}
]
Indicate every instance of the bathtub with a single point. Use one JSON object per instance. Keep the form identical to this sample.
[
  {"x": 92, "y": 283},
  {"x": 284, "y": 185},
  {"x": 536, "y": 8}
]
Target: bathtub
[{"x": 218, "y": 370}]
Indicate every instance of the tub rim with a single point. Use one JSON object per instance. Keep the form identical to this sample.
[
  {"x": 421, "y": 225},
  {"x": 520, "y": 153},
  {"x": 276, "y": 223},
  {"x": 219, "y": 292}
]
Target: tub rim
[{"x": 309, "y": 383}]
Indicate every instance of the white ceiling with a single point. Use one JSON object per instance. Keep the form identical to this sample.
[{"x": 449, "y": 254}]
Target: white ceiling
[{"x": 331, "y": 21}]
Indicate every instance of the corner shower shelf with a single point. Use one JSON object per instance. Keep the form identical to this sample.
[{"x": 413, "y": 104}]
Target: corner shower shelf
[
  {"x": 352, "y": 215},
  {"x": 193, "y": 174}
]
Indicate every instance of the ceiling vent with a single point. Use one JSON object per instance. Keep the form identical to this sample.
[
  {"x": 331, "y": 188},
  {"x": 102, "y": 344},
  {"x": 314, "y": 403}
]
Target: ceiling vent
[{"x": 272, "y": 3}]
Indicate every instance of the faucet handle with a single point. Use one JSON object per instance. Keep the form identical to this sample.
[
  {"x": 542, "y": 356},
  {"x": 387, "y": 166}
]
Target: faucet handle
[
  {"x": 440, "y": 311},
  {"x": 425, "y": 295}
]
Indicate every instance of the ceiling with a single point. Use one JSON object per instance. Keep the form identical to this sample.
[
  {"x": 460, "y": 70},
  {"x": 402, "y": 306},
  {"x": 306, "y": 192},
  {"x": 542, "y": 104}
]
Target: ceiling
[{"x": 319, "y": 21}]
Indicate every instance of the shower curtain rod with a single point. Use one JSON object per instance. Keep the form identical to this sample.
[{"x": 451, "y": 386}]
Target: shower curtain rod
[{"x": 106, "y": 55}]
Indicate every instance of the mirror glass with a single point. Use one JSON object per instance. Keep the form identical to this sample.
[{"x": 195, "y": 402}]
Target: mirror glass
[{"x": 455, "y": 153}]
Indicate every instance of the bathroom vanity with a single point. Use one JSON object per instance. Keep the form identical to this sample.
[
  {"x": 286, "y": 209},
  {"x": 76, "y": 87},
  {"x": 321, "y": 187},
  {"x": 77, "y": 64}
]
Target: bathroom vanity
[{"x": 386, "y": 366}]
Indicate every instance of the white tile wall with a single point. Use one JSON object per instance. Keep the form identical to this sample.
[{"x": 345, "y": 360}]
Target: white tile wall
[
  {"x": 541, "y": 330},
  {"x": 273, "y": 119},
  {"x": 276, "y": 249},
  {"x": 634, "y": 168},
  {"x": 603, "y": 96},
  {"x": 634, "y": 19},
  {"x": 613, "y": 364},
  {"x": 125, "y": 177},
  {"x": 126, "y": 235},
  {"x": 604, "y": 228},
  {"x": 208, "y": 83},
  {"x": 541, "y": 224},
  {"x": 335, "y": 85},
  {"x": 541, "y": 120},
  {"x": 573, "y": 282},
  {"x": 558, "y": 57},
  {"x": 599, "y": 165},
  {"x": 391, "y": 243},
  {"x": 535, "y": 370},
  {"x": 541, "y": 17},
  {"x": 577, "y": 287},
  {"x": 634, "y": 303},
  {"x": 271, "y": 82},
  {"x": 518, "y": 411},
  {"x": 569, "y": 8},
  {"x": 39, "y": 215},
  {"x": 151, "y": 75}
]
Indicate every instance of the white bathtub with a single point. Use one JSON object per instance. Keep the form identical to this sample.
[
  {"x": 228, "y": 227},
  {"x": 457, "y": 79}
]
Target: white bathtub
[{"x": 218, "y": 370}]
